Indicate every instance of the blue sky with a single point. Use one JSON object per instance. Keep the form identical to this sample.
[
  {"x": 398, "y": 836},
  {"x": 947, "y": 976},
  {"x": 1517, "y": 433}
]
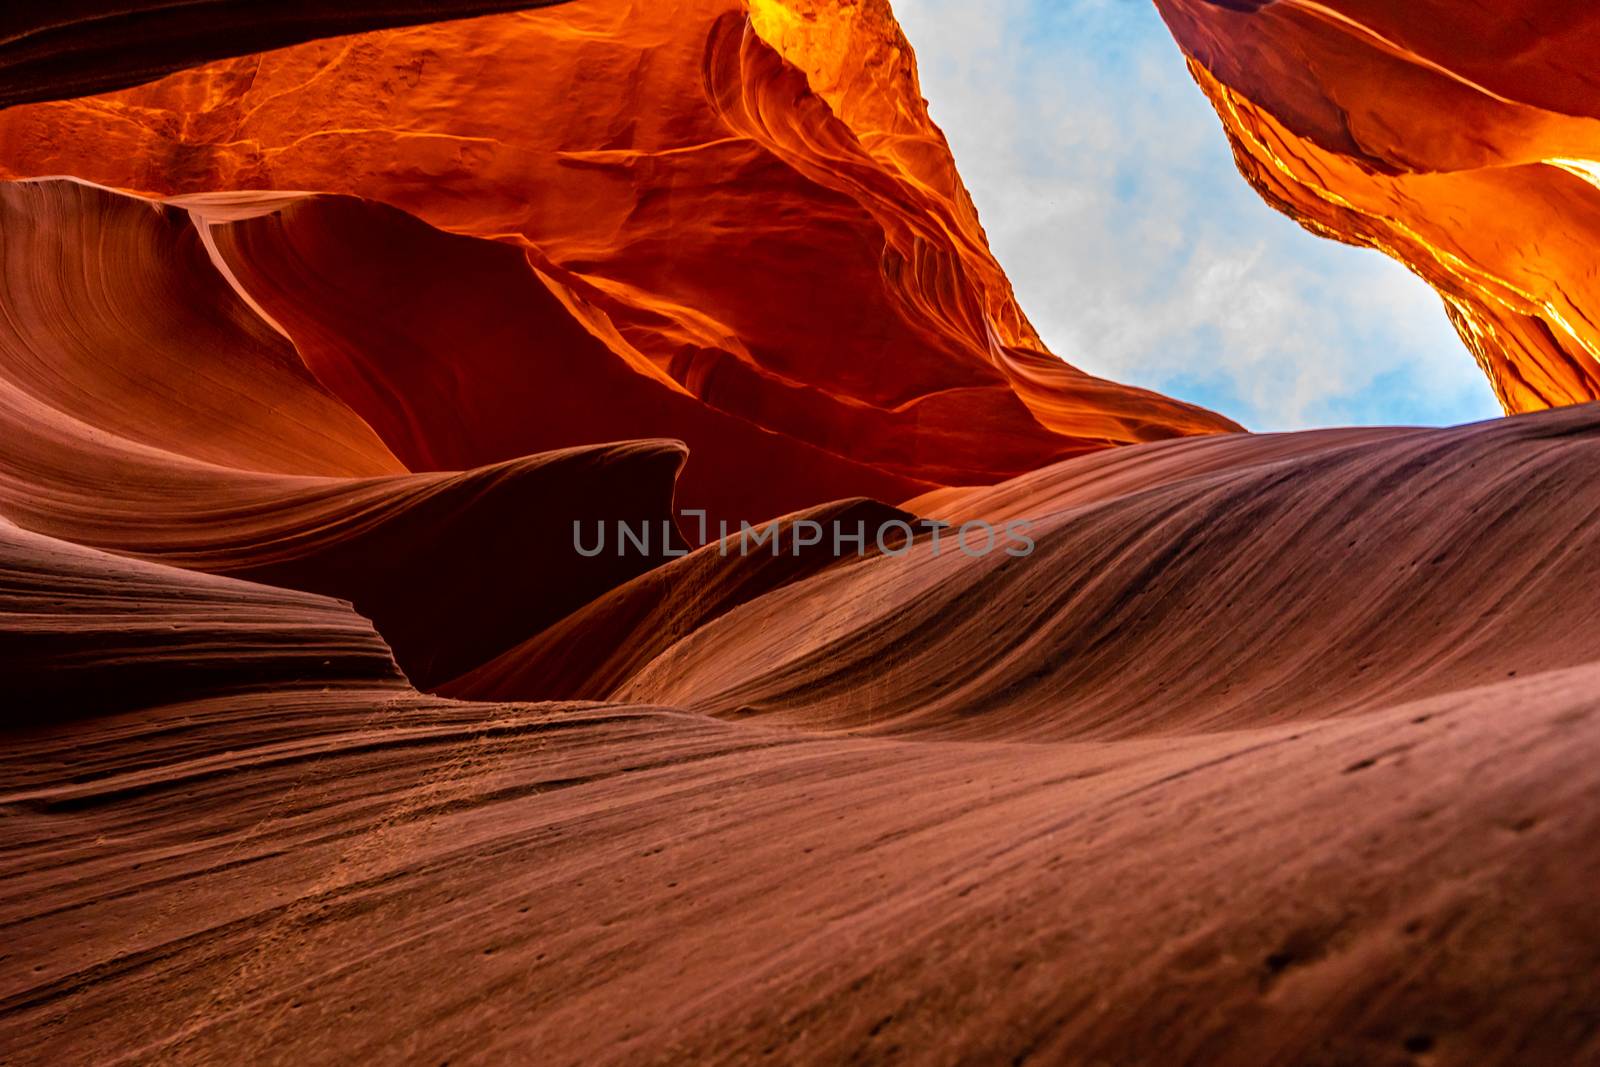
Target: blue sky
[{"x": 1110, "y": 196}]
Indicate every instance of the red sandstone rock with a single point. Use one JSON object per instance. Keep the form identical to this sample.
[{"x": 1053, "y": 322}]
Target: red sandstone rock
[
  {"x": 1461, "y": 139},
  {"x": 1274, "y": 749}
]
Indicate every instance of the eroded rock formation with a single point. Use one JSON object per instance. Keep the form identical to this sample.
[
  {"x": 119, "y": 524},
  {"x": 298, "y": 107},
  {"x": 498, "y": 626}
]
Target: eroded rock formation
[
  {"x": 749, "y": 209},
  {"x": 66, "y": 48},
  {"x": 1173, "y": 770},
  {"x": 1461, "y": 139},
  {"x": 1273, "y": 749}
]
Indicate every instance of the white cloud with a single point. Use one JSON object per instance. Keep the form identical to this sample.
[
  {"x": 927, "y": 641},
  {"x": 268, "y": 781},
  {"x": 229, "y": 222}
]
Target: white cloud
[{"x": 1109, "y": 195}]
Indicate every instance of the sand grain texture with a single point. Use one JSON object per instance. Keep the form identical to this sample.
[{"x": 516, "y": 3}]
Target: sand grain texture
[{"x": 1106, "y": 850}]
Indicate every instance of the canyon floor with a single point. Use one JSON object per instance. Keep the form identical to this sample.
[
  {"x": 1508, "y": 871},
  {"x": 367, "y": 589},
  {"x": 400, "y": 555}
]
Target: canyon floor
[{"x": 1290, "y": 758}]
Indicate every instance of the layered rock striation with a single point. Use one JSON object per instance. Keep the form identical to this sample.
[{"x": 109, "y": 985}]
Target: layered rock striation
[{"x": 324, "y": 741}]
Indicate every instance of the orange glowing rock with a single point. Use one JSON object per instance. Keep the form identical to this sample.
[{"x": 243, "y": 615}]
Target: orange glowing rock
[
  {"x": 746, "y": 209},
  {"x": 1461, "y": 139},
  {"x": 76, "y": 47},
  {"x": 147, "y": 410}
]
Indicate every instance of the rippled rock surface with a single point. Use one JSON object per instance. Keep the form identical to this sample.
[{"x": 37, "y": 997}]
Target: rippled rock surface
[{"x": 324, "y": 741}]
